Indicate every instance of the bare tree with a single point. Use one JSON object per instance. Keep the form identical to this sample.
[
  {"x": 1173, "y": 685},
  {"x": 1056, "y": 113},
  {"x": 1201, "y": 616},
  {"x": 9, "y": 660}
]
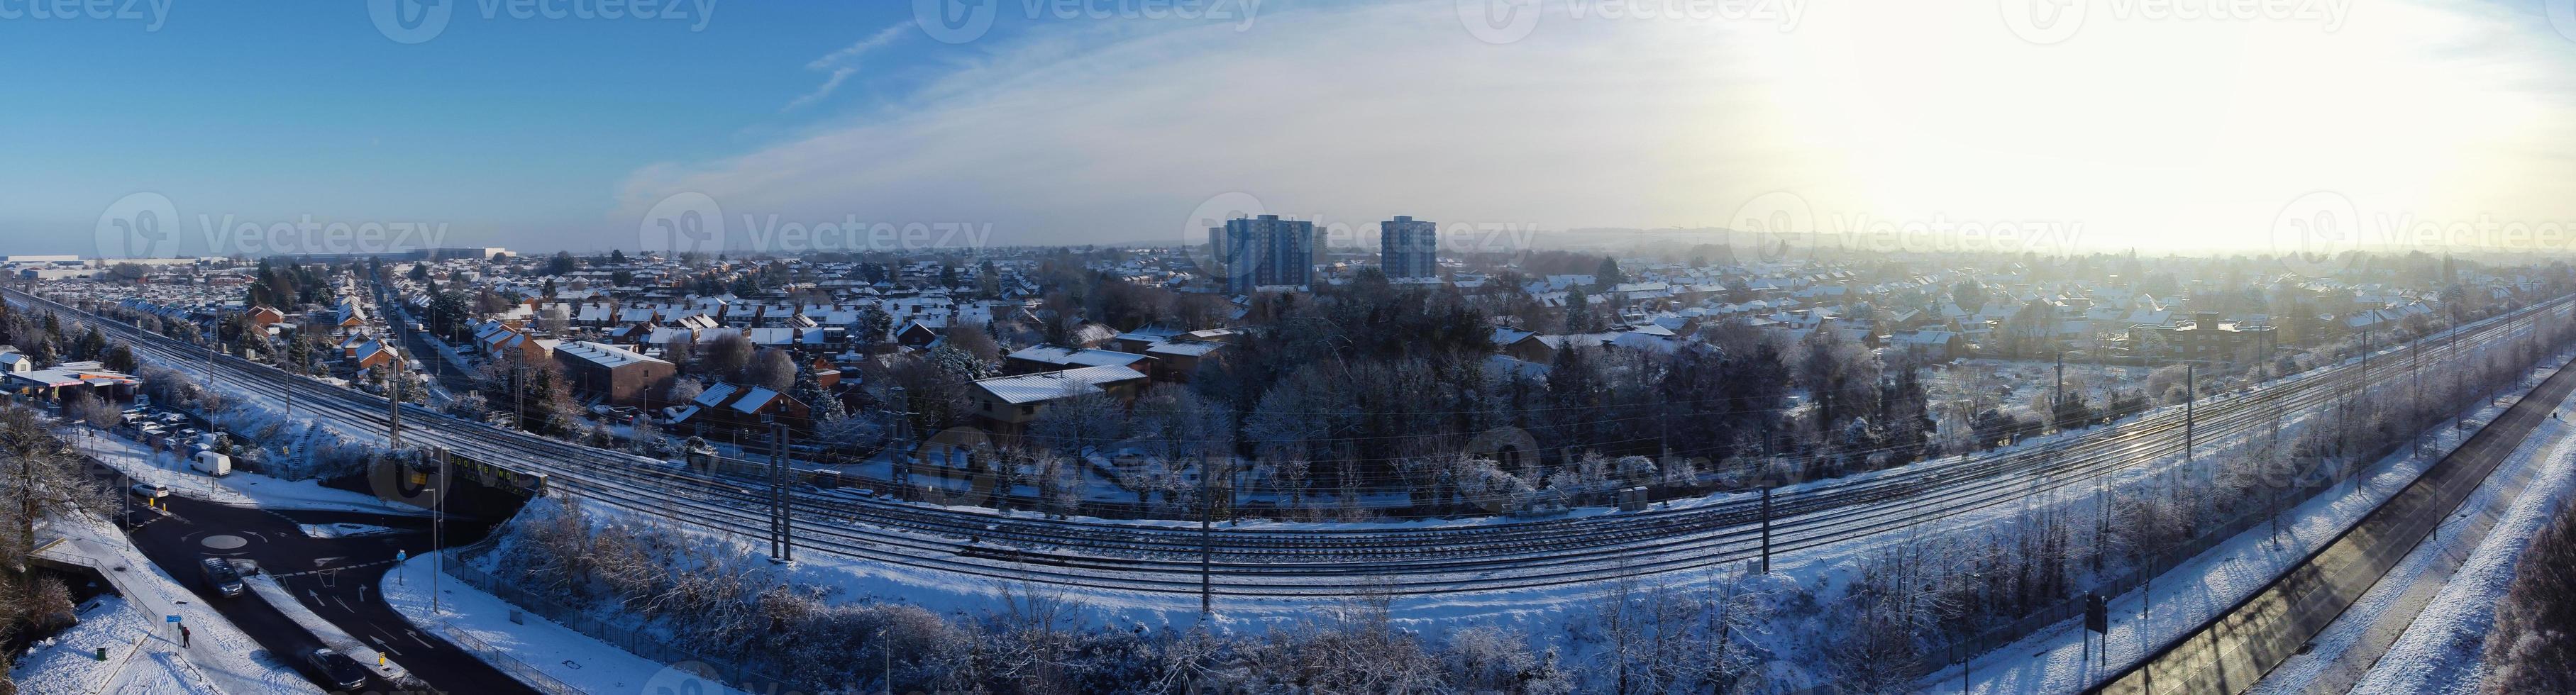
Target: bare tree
[
  {"x": 724, "y": 357},
  {"x": 1078, "y": 424},
  {"x": 772, "y": 369}
]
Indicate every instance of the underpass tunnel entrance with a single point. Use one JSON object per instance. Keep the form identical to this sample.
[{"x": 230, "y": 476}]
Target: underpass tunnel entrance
[{"x": 473, "y": 494}]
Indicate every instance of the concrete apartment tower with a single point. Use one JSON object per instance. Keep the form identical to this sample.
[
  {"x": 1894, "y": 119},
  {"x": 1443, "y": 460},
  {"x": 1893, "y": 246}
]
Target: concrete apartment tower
[
  {"x": 1267, "y": 251},
  {"x": 1409, "y": 248}
]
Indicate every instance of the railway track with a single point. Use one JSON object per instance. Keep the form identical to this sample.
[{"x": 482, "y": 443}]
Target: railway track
[{"x": 1274, "y": 559}]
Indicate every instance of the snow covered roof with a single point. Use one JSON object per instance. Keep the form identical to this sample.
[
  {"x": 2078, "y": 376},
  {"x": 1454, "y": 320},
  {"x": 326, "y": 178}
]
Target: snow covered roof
[
  {"x": 1184, "y": 348},
  {"x": 1149, "y": 334},
  {"x": 1070, "y": 357},
  {"x": 714, "y": 395},
  {"x": 753, "y": 401},
  {"x": 1047, "y": 386},
  {"x": 369, "y": 350},
  {"x": 604, "y": 355}
]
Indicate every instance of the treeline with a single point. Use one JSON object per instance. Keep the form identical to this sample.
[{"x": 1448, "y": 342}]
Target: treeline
[
  {"x": 2532, "y": 645},
  {"x": 48, "y": 340},
  {"x": 1370, "y": 388}
]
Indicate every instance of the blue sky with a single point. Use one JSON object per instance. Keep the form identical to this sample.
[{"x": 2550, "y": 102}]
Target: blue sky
[
  {"x": 283, "y": 110},
  {"x": 1104, "y": 124}
]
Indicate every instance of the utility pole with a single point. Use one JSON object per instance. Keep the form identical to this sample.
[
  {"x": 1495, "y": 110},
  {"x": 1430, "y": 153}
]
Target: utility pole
[
  {"x": 902, "y": 472},
  {"x": 2415, "y": 369},
  {"x": 2190, "y": 398},
  {"x": 1207, "y": 537},
  {"x": 393, "y": 419},
  {"x": 779, "y": 544},
  {"x": 438, "y": 528},
  {"x": 2058, "y": 392},
  {"x": 1766, "y": 529},
  {"x": 2343, "y": 469}
]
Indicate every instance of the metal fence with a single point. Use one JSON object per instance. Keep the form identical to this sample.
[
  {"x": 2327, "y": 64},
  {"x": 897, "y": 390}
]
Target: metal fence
[
  {"x": 500, "y": 659},
  {"x": 629, "y": 638}
]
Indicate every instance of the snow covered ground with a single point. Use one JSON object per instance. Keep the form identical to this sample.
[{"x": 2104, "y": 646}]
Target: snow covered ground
[
  {"x": 220, "y": 657},
  {"x": 558, "y": 652},
  {"x": 2443, "y": 651},
  {"x": 67, "y": 664},
  {"x": 2053, "y": 660},
  {"x": 240, "y": 489}
]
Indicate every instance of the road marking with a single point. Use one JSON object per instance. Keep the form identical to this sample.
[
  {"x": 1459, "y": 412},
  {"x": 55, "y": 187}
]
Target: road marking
[{"x": 332, "y": 570}]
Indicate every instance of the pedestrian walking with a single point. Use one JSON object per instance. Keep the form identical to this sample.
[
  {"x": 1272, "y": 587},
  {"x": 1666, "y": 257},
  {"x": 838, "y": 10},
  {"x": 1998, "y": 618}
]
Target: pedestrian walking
[{"x": 183, "y": 637}]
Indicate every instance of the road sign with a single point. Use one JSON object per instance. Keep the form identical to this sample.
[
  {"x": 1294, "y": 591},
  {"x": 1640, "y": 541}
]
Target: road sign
[
  {"x": 401, "y": 555},
  {"x": 169, "y": 618},
  {"x": 2097, "y": 616}
]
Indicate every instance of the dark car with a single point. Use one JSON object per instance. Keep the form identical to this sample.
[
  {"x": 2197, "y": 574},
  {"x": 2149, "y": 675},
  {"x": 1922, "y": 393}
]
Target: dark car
[
  {"x": 337, "y": 669},
  {"x": 222, "y": 577}
]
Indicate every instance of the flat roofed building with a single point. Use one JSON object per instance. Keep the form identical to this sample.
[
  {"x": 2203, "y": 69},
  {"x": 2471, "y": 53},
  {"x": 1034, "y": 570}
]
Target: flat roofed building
[
  {"x": 618, "y": 376},
  {"x": 1008, "y": 404}
]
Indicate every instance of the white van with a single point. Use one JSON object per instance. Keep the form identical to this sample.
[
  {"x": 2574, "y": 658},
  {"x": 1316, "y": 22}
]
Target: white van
[{"x": 212, "y": 463}]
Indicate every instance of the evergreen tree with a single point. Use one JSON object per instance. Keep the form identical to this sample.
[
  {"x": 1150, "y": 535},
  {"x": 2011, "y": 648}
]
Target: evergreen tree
[
  {"x": 93, "y": 345},
  {"x": 826, "y": 407},
  {"x": 1578, "y": 311}
]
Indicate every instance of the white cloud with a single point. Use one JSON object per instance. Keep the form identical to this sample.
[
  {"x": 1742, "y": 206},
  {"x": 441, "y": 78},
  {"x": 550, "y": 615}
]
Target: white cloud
[
  {"x": 2150, "y": 132},
  {"x": 841, "y": 64}
]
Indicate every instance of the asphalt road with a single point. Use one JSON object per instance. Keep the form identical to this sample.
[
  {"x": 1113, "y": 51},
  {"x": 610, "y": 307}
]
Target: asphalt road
[
  {"x": 2233, "y": 651},
  {"x": 335, "y": 577}
]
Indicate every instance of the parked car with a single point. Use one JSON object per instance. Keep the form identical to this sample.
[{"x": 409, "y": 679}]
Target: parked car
[
  {"x": 151, "y": 490},
  {"x": 222, "y": 578},
  {"x": 337, "y": 669}
]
